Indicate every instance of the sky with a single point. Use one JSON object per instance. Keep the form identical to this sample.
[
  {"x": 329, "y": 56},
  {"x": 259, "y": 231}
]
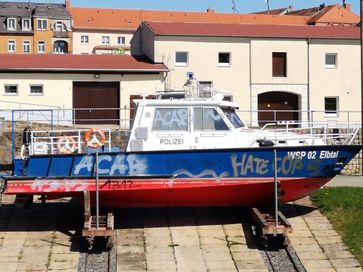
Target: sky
[{"x": 242, "y": 6}]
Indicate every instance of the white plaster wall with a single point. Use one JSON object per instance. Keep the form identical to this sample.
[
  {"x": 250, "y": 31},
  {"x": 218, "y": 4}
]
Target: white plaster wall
[
  {"x": 58, "y": 92},
  {"x": 203, "y": 62},
  {"x": 95, "y": 39},
  {"x": 261, "y": 61},
  {"x": 342, "y": 81}
]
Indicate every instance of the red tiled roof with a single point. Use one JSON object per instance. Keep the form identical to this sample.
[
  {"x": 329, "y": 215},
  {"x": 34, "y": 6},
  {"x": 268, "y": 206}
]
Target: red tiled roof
[
  {"x": 335, "y": 15},
  {"x": 77, "y": 63},
  {"x": 123, "y": 19},
  {"x": 246, "y": 30}
]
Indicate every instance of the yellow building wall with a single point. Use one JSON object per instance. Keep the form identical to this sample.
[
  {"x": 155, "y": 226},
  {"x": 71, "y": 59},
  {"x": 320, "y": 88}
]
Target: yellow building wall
[
  {"x": 43, "y": 35},
  {"x": 19, "y": 39}
]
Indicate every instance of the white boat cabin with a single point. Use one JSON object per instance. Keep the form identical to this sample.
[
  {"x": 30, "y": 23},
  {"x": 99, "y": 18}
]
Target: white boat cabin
[{"x": 201, "y": 124}]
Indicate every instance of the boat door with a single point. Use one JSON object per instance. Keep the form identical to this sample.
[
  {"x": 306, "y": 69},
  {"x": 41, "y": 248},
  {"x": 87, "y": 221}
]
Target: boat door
[{"x": 211, "y": 129}]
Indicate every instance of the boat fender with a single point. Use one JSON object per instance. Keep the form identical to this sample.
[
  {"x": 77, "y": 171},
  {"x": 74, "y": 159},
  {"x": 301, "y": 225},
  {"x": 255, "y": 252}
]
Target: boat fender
[
  {"x": 95, "y": 138},
  {"x": 265, "y": 143},
  {"x": 66, "y": 145}
]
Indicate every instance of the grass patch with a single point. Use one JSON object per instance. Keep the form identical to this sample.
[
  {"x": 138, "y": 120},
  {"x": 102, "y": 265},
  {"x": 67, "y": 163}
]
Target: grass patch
[{"x": 344, "y": 208}]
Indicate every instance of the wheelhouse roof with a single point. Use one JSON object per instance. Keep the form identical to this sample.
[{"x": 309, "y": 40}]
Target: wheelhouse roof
[{"x": 186, "y": 102}]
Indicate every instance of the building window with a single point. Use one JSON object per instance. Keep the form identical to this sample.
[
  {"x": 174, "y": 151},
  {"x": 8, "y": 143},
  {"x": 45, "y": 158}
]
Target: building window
[
  {"x": 84, "y": 39},
  {"x": 60, "y": 47},
  {"x": 26, "y": 24},
  {"x": 59, "y": 27},
  {"x": 11, "y": 46},
  {"x": 224, "y": 59},
  {"x": 331, "y": 106},
  {"x": 36, "y": 90},
  {"x": 121, "y": 40},
  {"x": 11, "y": 90},
  {"x": 41, "y": 47},
  {"x": 330, "y": 60},
  {"x": 11, "y": 23},
  {"x": 105, "y": 40},
  {"x": 42, "y": 24},
  {"x": 26, "y": 46},
  {"x": 279, "y": 64},
  {"x": 181, "y": 58}
]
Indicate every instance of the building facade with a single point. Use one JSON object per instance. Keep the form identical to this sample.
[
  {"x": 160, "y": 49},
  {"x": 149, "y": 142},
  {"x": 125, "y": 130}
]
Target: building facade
[
  {"x": 70, "y": 84},
  {"x": 34, "y": 28},
  {"x": 97, "y": 30},
  {"x": 300, "y": 72}
]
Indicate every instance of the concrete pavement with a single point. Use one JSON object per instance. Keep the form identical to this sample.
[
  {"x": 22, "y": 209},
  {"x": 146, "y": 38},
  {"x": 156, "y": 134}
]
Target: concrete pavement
[{"x": 351, "y": 181}]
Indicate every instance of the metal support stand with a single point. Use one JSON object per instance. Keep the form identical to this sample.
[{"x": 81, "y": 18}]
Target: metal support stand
[
  {"x": 272, "y": 223},
  {"x": 276, "y": 191},
  {"x": 97, "y": 226},
  {"x": 97, "y": 194},
  {"x": 105, "y": 226}
]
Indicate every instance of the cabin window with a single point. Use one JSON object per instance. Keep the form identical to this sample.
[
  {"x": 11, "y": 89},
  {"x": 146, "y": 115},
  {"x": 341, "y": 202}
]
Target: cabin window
[
  {"x": 279, "y": 64},
  {"x": 208, "y": 119},
  {"x": 171, "y": 119},
  {"x": 234, "y": 118}
]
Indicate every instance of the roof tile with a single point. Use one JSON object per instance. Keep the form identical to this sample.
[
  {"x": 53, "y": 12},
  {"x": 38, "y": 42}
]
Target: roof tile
[
  {"x": 72, "y": 63},
  {"x": 252, "y": 30}
]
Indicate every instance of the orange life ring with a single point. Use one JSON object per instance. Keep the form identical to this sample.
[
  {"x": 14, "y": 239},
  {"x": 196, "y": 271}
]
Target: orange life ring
[
  {"x": 94, "y": 138},
  {"x": 66, "y": 145}
]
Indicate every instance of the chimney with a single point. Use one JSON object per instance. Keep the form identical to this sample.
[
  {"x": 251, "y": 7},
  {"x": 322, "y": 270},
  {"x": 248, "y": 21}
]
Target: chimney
[
  {"x": 210, "y": 10},
  {"x": 348, "y": 7},
  {"x": 68, "y": 3}
]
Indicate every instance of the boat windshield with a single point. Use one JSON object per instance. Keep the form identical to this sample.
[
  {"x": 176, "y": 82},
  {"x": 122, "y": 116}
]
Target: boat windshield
[{"x": 233, "y": 117}]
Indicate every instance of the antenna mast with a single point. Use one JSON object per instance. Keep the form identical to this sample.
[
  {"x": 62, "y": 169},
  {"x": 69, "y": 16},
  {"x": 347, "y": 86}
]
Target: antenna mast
[
  {"x": 268, "y": 6},
  {"x": 234, "y": 8}
]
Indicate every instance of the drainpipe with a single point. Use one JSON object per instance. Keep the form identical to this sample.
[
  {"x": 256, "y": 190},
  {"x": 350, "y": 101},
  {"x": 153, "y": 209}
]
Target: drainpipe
[
  {"x": 361, "y": 77},
  {"x": 250, "y": 75},
  {"x": 308, "y": 68}
]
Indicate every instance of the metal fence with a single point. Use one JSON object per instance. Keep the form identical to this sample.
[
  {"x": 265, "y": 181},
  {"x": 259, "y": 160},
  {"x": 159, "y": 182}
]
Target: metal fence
[{"x": 121, "y": 117}]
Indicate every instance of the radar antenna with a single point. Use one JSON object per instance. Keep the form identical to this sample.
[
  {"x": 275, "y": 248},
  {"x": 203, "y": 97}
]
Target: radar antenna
[
  {"x": 234, "y": 8},
  {"x": 267, "y": 2}
]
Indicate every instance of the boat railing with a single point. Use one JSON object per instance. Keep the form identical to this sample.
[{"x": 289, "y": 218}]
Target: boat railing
[
  {"x": 43, "y": 142},
  {"x": 336, "y": 133}
]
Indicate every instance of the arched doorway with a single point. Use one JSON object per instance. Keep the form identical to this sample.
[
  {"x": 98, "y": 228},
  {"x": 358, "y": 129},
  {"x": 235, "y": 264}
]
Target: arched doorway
[
  {"x": 60, "y": 47},
  {"x": 277, "y": 106}
]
